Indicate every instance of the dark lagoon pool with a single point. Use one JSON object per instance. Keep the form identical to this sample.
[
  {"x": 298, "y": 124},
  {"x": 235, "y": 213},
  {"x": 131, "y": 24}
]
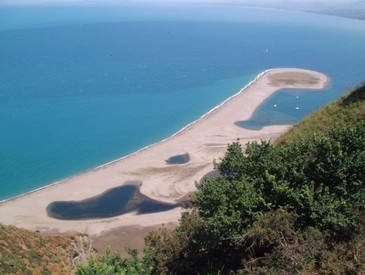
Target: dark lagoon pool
[{"x": 113, "y": 202}]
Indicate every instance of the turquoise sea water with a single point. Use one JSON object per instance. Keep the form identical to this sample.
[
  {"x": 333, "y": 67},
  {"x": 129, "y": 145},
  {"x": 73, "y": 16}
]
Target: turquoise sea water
[{"x": 82, "y": 85}]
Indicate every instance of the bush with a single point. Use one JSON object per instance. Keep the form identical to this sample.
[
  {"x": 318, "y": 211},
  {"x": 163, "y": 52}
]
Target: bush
[{"x": 112, "y": 263}]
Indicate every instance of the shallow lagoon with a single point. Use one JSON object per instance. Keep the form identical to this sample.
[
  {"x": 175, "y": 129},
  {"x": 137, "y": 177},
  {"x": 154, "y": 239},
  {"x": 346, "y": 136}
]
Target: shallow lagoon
[{"x": 111, "y": 203}]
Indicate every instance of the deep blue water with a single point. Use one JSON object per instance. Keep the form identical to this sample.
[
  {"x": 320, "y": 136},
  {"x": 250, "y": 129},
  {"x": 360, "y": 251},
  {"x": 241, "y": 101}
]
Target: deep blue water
[{"x": 83, "y": 85}]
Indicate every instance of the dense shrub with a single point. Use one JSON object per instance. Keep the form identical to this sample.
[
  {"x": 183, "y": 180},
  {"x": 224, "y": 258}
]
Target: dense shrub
[{"x": 112, "y": 263}]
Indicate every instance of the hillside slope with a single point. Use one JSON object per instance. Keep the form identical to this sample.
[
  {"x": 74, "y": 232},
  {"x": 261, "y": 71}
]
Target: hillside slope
[{"x": 27, "y": 252}]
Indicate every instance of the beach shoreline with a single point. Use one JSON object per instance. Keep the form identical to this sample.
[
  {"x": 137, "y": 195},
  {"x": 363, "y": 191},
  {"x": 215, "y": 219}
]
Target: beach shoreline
[
  {"x": 204, "y": 140},
  {"x": 139, "y": 150}
]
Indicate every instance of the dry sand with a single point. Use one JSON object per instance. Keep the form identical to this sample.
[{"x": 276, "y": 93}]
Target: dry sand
[{"x": 203, "y": 140}]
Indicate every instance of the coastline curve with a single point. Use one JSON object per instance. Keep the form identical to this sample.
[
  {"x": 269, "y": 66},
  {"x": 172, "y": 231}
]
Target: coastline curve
[{"x": 204, "y": 139}]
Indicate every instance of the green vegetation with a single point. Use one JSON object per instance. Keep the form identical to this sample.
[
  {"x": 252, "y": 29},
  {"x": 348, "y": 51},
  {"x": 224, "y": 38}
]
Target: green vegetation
[{"x": 112, "y": 263}]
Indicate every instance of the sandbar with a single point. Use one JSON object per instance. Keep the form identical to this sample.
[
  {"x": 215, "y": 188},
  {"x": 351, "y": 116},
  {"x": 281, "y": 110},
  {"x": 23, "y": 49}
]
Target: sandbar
[{"x": 202, "y": 141}]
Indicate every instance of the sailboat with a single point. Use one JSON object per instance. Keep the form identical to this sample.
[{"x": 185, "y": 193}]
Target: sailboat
[{"x": 297, "y": 107}]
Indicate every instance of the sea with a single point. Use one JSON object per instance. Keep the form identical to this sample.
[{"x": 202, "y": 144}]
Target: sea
[{"x": 83, "y": 84}]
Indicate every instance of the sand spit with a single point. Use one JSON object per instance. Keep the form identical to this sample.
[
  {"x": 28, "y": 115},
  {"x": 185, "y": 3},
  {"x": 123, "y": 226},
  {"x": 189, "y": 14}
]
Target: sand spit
[{"x": 202, "y": 141}]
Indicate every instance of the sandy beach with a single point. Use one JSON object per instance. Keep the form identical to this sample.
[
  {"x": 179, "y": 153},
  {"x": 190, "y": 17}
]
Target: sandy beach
[{"x": 201, "y": 141}]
